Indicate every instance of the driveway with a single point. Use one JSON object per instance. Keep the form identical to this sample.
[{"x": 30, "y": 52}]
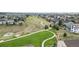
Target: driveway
[{"x": 61, "y": 43}]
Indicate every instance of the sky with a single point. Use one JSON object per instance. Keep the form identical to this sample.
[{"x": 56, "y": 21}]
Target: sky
[{"x": 39, "y": 6}]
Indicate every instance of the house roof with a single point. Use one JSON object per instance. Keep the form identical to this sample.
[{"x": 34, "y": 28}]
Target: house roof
[
  {"x": 72, "y": 43},
  {"x": 76, "y": 26},
  {"x": 69, "y": 24},
  {"x": 3, "y": 19},
  {"x": 6, "y": 20}
]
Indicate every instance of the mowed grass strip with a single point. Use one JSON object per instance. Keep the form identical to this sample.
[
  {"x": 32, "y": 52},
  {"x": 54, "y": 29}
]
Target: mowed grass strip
[{"x": 34, "y": 39}]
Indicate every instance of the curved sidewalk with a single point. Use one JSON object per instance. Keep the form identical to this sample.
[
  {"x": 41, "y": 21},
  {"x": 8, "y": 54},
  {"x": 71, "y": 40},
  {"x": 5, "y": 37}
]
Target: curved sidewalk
[
  {"x": 23, "y": 36},
  {"x": 48, "y": 39}
]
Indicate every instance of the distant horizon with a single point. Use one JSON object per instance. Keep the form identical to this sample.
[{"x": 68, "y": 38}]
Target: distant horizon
[
  {"x": 44, "y": 12},
  {"x": 39, "y": 13}
]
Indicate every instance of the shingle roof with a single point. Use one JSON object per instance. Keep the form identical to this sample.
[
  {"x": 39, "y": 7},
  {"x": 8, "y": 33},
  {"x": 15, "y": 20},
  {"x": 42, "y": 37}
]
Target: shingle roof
[
  {"x": 69, "y": 24},
  {"x": 72, "y": 43}
]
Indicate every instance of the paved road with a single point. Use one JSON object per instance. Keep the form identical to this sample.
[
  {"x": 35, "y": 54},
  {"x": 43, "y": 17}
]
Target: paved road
[
  {"x": 61, "y": 44},
  {"x": 48, "y": 39}
]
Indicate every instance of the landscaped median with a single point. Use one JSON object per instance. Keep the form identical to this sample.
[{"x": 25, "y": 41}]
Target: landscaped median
[{"x": 35, "y": 39}]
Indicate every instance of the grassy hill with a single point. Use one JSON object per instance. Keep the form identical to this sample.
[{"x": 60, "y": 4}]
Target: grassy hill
[
  {"x": 36, "y": 21},
  {"x": 31, "y": 24}
]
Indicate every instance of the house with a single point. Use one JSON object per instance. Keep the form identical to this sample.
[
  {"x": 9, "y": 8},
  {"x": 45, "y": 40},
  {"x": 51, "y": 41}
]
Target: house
[
  {"x": 68, "y": 26},
  {"x": 10, "y": 21},
  {"x": 4, "y": 21},
  {"x": 75, "y": 28},
  {"x": 72, "y": 27}
]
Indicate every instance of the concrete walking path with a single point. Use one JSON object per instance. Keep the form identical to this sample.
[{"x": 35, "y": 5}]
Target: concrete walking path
[
  {"x": 23, "y": 36},
  {"x": 48, "y": 39},
  {"x": 34, "y": 33}
]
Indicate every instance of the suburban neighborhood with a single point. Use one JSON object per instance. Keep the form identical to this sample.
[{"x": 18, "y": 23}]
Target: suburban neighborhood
[{"x": 39, "y": 29}]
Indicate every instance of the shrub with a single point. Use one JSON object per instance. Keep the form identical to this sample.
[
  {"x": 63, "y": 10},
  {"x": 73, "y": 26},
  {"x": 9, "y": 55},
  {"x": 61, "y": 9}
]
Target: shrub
[
  {"x": 65, "y": 35},
  {"x": 46, "y": 27}
]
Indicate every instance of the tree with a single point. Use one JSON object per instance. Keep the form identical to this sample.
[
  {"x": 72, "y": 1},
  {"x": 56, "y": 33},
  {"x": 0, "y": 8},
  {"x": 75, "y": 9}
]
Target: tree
[
  {"x": 7, "y": 24},
  {"x": 73, "y": 21},
  {"x": 27, "y": 15},
  {"x": 16, "y": 20},
  {"x": 65, "y": 35},
  {"x": 60, "y": 22},
  {"x": 56, "y": 27},
  {"x": 50, "y": 25},
  {"x": 46, "y": 27}
]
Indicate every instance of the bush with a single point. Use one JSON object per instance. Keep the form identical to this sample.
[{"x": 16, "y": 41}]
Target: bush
[
  {"x": 50, "y": 25},
  {"x": 65, "y": 35},
  {"x": 46, "y": 27},
  {"x": 54, "y": 45}
]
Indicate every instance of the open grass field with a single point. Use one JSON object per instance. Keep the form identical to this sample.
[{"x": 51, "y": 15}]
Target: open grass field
[{"x": 34, "y": 39}]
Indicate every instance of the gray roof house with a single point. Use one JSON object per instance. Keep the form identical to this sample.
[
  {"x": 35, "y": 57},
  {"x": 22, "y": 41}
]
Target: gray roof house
[
  {"x": 72, "y": 27},
  {"x": 10, "y": 21},
  {"x": 4, "y": 21},
  {"x": 68, "y": 25},
  {"x": 75, "y": 28}
]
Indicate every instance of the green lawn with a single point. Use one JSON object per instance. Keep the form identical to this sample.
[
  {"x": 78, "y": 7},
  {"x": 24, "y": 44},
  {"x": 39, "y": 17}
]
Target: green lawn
[
  {"x": 53, "y": 30},
  {"x": 34, "y": 39},
  {"x": 51, "y": 43}
]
